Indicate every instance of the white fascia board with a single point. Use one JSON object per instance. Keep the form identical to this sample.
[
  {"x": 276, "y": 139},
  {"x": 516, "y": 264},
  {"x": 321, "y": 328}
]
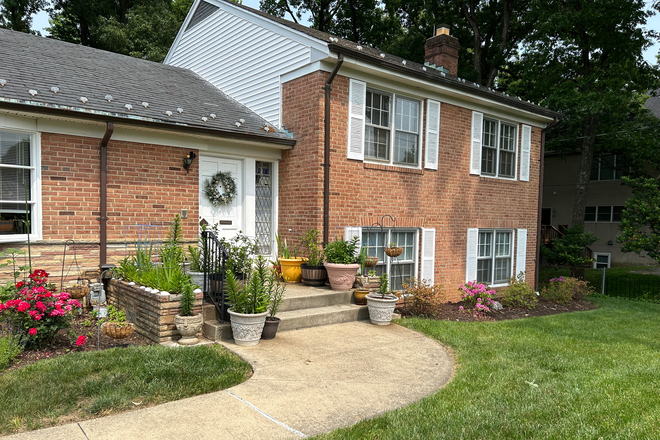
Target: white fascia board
[
  {"x": 181, "y": 31},
  {"x": 397, "y": 82},
  {"x": 146, "y": 135},
  {"x": 273, "y": 26}
]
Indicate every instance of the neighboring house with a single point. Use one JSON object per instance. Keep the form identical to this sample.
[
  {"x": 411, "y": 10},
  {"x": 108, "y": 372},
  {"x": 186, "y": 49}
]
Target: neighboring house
[
  {"x": 60, "y": 103},
  {"x": 457, "y": 165},
  {"x": 606, "y": 200}
]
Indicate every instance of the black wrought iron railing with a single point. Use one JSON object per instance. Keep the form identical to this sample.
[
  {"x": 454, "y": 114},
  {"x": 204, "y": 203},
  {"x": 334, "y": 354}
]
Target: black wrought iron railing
[
  {"x": 637, "y": 288},
  {"x": 215, "y": 256}
]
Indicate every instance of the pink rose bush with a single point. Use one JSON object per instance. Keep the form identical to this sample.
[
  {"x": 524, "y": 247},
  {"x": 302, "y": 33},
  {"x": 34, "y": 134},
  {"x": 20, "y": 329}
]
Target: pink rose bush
[
  {"x": 37, "y": 310},
  {"x": 478, "y": 297}
]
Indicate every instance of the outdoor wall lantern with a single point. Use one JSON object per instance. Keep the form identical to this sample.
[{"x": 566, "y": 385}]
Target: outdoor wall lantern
[{"x": 188, "y": 160}]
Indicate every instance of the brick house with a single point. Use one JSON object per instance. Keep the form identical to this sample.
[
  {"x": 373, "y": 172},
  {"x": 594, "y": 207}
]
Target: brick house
[
  {"x": 457, "y": 165},
  {"x": 66, "y": 108}
]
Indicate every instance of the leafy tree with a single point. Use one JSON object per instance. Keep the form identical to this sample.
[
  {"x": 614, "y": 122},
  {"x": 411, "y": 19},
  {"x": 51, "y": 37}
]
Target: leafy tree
[
  {"x": 568, "y": 251},
  {"x": 139, "y": 28},
  {"x": 640, "y": 220},
  {"x": 584, "y": 59},
  {"x": 17, "y": 14}
]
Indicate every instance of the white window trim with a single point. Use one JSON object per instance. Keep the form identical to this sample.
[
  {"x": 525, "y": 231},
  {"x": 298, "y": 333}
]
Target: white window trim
[
  {"x": 609, "y": 259},
  {"x": 512, "y": 253},
  {"x": 35, "y": 184},
  {"x": 420, "y": 134},
  {"x": 516, "y": 129}
]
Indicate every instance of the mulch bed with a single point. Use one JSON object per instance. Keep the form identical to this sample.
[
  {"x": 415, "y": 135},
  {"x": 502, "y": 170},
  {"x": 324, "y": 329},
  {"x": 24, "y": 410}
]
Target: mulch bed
[
  {"x": 65, "y": 342},
  {"x": 450, "y": 311}
]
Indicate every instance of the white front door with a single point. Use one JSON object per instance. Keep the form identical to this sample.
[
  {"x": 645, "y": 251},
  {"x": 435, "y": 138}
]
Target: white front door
[{"x": 229, "y": 218}]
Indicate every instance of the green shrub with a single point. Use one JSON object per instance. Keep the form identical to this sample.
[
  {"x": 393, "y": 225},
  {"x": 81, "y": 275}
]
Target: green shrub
[
  {"x": 12, "y": 342},
  {"x": 519, "y": 294},
  {"x": 422, "y": 298},
  {"x": 563, "y": 289}
]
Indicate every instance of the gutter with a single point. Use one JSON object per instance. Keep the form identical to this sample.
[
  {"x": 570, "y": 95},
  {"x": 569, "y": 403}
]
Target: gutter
[
  {"x": 46, "y": 109},
  {"x": 447, "y": 80},
  {"x": 103, "y": 218},
  {"x": 326, "y": 150},
  {"x": 540, "y": 207}
]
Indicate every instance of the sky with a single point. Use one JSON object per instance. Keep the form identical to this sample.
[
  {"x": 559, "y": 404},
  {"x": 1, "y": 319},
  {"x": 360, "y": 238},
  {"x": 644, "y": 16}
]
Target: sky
[{"x": 40, "y": 21}]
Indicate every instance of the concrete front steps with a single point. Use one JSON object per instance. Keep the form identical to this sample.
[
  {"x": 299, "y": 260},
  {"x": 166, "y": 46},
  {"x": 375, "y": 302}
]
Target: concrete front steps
[{"x": 303, "y": 307}]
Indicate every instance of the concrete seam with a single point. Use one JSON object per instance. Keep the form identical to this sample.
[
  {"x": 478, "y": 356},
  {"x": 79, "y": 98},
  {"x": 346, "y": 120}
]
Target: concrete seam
[
  {"x": 268, "y": 416},
  {"x": 83, "y": 431}
]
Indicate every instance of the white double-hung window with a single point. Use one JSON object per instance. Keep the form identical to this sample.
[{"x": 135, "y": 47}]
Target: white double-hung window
[
  {"x": 20, "y": 186},
  {"x": 384, "y": 127},
  {"x": 491, "y": 255},
  {"x": 494, "y": 151}
]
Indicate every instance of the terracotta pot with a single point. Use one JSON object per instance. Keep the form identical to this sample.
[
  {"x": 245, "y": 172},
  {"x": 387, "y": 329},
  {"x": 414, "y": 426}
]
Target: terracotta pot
[
  {"x": 381, "y": 309},
  {"x": 313, "y": 275},
  {"x": 247, "y": 329},
  {"x": 291, "y": 269},
  {"x": 342, "y": 276},
  {"x": 270, "y": 328},
  {"x": 188, "y": 327},
  {"x": 6, "y": 226},
  {"x": 361, "y": 296}
]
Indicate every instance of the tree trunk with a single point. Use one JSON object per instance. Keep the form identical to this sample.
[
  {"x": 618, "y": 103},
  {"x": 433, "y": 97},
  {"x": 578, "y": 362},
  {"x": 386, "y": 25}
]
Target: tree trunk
[{"x": 582, "y": 186}]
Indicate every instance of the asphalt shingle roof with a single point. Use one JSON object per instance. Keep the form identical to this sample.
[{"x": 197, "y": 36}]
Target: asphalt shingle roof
[
  {"x": 393, "y": 62},
  {"x": 93, "y": 82}
]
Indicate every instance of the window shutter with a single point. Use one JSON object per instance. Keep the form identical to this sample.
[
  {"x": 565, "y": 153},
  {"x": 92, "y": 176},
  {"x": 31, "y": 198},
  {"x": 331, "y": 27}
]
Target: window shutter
[
  {"x": 525, "y": 152},
  {"x": 351, "y": 232},
  {"x": 432, "y": 134},
  {"x": 521, "y": 252},
  {"x": 475, "y": 155},
  {"x": 427, "y": 271},
  {"x": 471, "y": 260},
  {"x": 356, "y": 111}
]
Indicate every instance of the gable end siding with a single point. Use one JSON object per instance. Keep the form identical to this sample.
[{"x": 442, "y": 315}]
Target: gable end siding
[{"x": 241, "y": 58}]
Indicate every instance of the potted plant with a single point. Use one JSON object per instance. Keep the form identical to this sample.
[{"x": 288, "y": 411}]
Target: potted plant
[
  {"x": 6, "y": 225},
  {"x": 196, "y": 268},
  {"x": 313, "y": 271},
  {"x": 276, "y": 293},
  {"x": 241, "y": 250},
  {"x": 393, "y": 251},
  {"x": 249, "y": 303},
  {"x": 289, "y": 261},
  {"x": 382, "y": 305},
  {"x": 115, "y": 325},
  {"x": 187, "y": 324},
  {"x": 342, "y": 263}
]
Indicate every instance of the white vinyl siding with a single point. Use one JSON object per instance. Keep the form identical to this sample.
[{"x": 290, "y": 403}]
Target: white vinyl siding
[{"x": 246, "y": 62}]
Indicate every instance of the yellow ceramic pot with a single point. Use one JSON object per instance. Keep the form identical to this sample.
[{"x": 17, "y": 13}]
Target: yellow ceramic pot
[{"x": 291, "y": 269}]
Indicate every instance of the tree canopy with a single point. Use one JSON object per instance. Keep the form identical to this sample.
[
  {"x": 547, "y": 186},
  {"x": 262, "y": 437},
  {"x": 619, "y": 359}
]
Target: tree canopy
[
  {"x": 640, "y": 220},
  {"x": 17, "y": 14}
]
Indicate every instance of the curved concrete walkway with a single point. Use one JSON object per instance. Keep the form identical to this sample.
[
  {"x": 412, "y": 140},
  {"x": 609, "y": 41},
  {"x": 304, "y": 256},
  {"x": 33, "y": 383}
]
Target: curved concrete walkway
[{"x": 305, "y": 382}]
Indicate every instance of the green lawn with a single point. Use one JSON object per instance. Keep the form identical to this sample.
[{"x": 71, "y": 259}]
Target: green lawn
[
  {"x": 79, "y": 386},
  {"x": 585, "y": 375}
]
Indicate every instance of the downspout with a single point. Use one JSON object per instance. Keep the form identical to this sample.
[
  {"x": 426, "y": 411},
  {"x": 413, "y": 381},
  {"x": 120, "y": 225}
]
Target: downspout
[
  {"x": 103, "y": 219},
  {"x": 540, "y": 207},
  {"x": 326, "y": 158}
]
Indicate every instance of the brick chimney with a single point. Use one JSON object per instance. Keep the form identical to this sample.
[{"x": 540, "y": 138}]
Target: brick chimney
[{"x": 442, "y": 50}]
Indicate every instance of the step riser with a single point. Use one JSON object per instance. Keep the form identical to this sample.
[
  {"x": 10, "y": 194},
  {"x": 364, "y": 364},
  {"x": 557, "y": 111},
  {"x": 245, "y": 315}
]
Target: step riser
[{"x": 331, "y": 298}]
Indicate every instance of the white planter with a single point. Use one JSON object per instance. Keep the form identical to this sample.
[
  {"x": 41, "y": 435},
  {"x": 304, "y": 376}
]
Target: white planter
[
  {"x": 188, "y": 327},
  {"x": 247, "y": 329},
  {"x": 381, "y": 309}
]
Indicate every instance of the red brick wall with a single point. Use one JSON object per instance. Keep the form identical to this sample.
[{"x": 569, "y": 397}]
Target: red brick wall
[
  {"x": 449, "y": 199},
  {"x": 146, "y": 184}
]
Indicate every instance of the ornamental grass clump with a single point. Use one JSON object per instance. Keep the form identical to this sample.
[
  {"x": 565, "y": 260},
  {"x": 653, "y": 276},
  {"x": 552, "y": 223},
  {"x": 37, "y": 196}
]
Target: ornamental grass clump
[
  {"x": 564, "y": 289},
  {"x": 478, "y": 299},
  {"x": 37, "y": 310},
  {"x": 519, "y": 294}
]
